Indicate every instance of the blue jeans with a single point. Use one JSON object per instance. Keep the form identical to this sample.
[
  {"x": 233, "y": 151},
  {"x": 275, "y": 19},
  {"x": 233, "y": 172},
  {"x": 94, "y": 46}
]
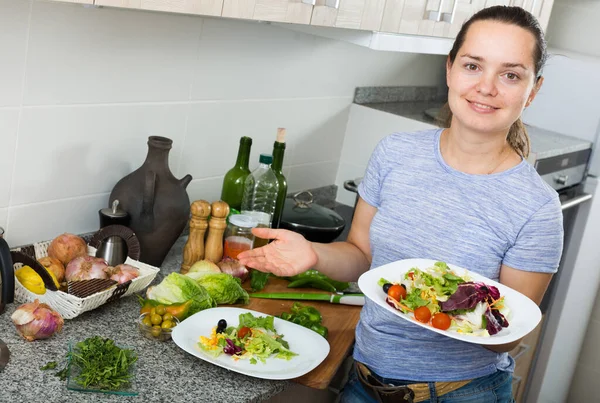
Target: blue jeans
[{"x": 494, "y": 388}]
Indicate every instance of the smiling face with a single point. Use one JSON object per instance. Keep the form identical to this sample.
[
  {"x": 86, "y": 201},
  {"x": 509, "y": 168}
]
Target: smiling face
[{"x": 492, "y": 77}]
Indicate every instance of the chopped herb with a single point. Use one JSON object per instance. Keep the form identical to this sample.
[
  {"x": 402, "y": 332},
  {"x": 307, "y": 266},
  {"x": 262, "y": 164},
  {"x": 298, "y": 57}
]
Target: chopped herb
[
  {"x": 101, "y": 364},
  {"x": 49, "y": 365}
]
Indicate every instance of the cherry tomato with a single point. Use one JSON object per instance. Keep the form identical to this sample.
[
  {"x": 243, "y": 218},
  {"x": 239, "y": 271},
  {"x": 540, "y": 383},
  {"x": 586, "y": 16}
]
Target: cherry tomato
[
  {"x": 243, "y": 332},
  {"x": 422, "y": 314},
  {"x": 441, "y": 321},
  {"x": 397, "y": 292}
]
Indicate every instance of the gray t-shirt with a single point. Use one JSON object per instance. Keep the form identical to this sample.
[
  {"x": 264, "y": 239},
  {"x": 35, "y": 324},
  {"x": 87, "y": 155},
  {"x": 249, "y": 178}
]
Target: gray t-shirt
[{"x": 427, "y": 209}]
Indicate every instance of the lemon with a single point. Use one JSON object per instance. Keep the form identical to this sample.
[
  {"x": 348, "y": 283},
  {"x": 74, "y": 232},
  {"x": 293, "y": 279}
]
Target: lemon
[{"x": 30, "y": 280}]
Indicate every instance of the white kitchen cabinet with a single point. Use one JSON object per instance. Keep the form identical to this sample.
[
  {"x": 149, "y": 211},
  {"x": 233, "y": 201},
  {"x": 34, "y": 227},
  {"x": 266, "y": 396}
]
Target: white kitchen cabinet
[
  {"x": 351, "y": 14},
  {"x": 291, "y": 11},
  {"x": 200, "y": 7},
  {"x": 444, "y": 18},
  {"x": 74, "y": 1}
]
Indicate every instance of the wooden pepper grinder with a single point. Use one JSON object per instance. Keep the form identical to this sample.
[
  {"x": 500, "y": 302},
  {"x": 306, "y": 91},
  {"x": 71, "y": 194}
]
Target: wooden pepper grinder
[
  {"x": 213, "y": 249},
  {"x": 193, "y": 250}
]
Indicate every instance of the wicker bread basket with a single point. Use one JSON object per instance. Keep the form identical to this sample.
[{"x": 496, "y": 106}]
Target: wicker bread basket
[{"x": 71, "y": 306}]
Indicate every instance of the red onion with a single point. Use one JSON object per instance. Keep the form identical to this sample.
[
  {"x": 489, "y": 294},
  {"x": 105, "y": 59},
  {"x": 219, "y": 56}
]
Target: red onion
[
  {"x": 233, "y": 267},
  {"x": 122, "y": 273},
  {"x": 67, "y": 247},
  {"x": 86, "y": 268},
  {"x": 36, "y": 321}
]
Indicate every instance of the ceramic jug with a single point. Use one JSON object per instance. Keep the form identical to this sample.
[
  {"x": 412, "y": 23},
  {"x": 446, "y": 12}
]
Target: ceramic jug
[
  {"x": 157, "y": 202},
  {"x": 7, "y": 275}
]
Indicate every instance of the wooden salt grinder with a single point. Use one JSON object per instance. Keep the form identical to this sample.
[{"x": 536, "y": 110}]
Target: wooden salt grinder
[
  {"x": 194, "y": 247},
  {"x": 213, "y": 249}
]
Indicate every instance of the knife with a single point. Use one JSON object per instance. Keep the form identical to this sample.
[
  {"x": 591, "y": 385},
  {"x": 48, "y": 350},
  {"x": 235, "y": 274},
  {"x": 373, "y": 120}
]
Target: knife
[
  {"x": 346, "y": 299},
  {"x": 4, "y": 355}
]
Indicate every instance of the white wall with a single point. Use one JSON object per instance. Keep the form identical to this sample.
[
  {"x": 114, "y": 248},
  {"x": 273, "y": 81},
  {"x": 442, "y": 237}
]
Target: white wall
[
  {"x": 81, "y": 89},
  {"x": 574, "y": 26},
  {"x": 366, "y": 127}
]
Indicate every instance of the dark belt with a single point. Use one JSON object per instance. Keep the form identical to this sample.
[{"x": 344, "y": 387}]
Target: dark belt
[{"x": 413, "y": 393}]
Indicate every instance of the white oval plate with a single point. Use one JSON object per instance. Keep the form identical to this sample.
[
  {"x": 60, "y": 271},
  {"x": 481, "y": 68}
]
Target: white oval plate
[
  {"x": 311, "y": 348},
  {"x": 525, "y": 314}
]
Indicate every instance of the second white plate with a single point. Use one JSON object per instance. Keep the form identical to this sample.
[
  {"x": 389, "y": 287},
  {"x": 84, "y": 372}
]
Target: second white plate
[{"x": 525, "y": 314}]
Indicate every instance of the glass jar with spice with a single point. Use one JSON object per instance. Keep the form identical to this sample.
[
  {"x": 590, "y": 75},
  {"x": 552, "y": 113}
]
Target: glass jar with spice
[{"x": 238, "y": 235}]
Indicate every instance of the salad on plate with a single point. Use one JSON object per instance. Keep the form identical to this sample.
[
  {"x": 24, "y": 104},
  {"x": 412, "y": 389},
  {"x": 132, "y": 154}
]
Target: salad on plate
[
  {"x": 254, "y": 339},
  {"x": 445, "y": 300}
]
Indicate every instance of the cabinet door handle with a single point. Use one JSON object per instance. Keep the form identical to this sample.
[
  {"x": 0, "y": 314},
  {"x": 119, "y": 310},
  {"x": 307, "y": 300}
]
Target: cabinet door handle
[
  {"x": 333, "y": 3},
  {"x": 439, "y": 16},
  {"x": 522, "y": 350}
]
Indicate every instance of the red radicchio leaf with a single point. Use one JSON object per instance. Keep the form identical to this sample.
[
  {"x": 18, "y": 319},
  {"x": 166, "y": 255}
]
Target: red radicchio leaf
[
  {"x": 493, "y": 326},
  {"x": 469, "y": 294}
]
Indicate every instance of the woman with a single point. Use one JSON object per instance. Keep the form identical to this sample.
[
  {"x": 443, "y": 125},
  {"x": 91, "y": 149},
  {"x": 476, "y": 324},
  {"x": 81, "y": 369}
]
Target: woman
[{"x": 463, "y": 195}]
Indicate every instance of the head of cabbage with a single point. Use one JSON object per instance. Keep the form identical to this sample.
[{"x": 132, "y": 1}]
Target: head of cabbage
[
  {"x": 177, "y": 288},
  {"x": 222, "y": 287}
]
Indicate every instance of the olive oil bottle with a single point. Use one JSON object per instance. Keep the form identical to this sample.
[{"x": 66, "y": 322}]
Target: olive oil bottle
[
  {"x": 276, "y": 166},
  {"x": 233, "y": 183}
]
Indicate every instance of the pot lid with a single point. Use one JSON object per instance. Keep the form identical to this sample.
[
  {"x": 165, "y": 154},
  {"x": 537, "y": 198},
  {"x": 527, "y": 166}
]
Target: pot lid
[{"x": 300, "y": 212}]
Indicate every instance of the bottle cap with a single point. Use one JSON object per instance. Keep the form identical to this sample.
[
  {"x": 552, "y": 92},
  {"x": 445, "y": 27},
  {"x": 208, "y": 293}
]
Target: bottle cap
[
  {"x": 242, "y": 220},
  {"x": 265, "y": 159}
]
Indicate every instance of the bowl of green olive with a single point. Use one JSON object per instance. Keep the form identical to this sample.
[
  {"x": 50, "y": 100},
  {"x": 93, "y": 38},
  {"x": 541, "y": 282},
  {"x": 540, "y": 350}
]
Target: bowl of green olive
[{"x": 157, "y": 324}]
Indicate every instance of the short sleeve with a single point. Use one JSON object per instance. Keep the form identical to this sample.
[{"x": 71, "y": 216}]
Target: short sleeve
[
  {"x": 539, "y": 244},
  {"x": 370, "y": 186}
]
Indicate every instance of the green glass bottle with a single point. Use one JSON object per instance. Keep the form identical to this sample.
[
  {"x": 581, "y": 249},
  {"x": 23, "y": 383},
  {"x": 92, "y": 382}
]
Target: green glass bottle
[
  {"x": 276, "y": 166},
  {"x": 233, "y": 183}
]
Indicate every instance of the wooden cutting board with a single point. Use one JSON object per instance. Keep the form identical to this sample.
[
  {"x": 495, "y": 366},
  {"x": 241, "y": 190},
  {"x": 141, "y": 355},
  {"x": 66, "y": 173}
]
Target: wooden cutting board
[{"x": 341, "y": 321}]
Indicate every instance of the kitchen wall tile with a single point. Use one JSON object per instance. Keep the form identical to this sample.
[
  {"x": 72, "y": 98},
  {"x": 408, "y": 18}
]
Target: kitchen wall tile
[
  {"x": 9, "y": 122},
  {"x": 311, "y": 175},
  {"x": 205, "y": 189},
  {"x": 3, "y": 218},
  {"x": 319, "y": 134},
  {"x": 77, "y": 151},
  {"x": 367, "y": 126},
  {"x": 98, "y": 55},
  {"x": 590, "y": 350},
  {"x": 43, "y": 221},
  {"x": 249, "y": 60},
  {"x": 315, "y": 130},
  {"x": 583, "y": 387},
  {"x": 14, "y": 16}
]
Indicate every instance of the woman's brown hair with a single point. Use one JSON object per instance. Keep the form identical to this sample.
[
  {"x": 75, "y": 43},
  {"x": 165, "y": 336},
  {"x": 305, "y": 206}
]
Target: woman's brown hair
[{"x": 517, "y": 135}]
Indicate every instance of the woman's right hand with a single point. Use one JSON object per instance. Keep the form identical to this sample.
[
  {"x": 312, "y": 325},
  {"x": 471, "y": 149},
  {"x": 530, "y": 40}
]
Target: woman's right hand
[{"x": 289, "y": 254}]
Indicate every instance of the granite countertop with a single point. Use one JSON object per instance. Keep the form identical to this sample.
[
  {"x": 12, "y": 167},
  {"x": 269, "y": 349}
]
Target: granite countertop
[
  {"x": 164, "y": 373},
  {"x": 414, "y": 110}
]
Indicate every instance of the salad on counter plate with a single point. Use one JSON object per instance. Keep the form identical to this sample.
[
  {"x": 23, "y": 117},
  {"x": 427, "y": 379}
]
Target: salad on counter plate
[
  {"x": 451, "y": 301},
  {"x": 251, "y": 343}
]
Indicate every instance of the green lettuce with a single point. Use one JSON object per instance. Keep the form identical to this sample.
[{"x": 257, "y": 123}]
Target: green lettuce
[
  {"x": 177, "y": 288},
  {"x": 222, "y": 287}
]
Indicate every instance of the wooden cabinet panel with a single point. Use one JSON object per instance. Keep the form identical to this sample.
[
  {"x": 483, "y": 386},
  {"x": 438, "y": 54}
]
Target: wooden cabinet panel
[
  {"x": 523, "y": 355},
  {"x": 120, "y": 3},
  {"x": 203, "y": 7},
  {"x": 294, "y": 11},
  {"x": 392, "y": 15},
  {"x": 372, "y": 15},
  {"x": 75, "y": 1},
  {"x": 238, "y": 8},
  {"x": 323, "y": 14}
]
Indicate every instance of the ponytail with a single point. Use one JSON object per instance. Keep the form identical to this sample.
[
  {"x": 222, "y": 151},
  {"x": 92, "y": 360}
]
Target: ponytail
[{"x": 517, "y": 136}]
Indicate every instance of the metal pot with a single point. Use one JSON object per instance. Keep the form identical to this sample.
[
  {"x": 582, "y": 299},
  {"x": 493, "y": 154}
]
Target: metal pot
[{"x": 316, "y": 223}]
